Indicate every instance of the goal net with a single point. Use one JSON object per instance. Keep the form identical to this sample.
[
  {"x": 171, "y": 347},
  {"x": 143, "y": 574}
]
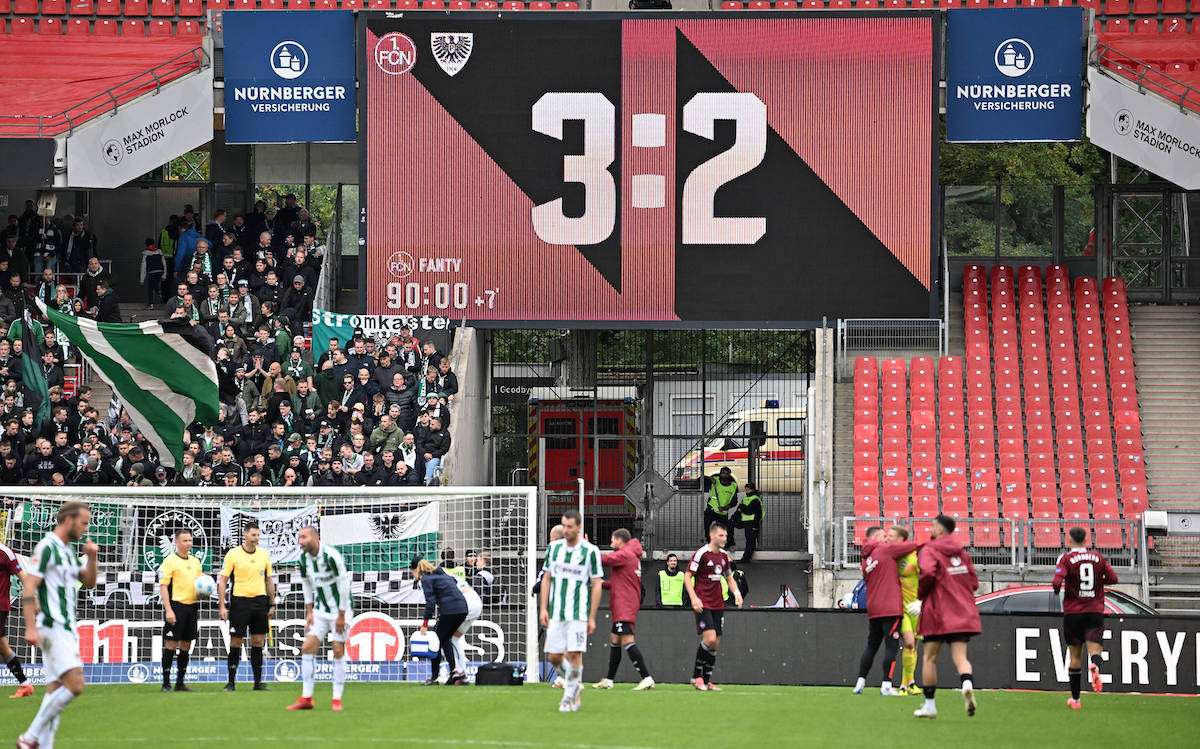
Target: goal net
[{"x": 378, "y": 532}]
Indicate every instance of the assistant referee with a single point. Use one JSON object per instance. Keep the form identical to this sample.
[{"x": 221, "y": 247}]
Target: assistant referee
[
  {"x": 177, "y": 582},
  {"x": 251, "y": 602}
]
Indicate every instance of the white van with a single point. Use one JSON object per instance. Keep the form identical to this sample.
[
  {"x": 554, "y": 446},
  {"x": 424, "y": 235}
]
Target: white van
[{"x": 780, "y": 454}]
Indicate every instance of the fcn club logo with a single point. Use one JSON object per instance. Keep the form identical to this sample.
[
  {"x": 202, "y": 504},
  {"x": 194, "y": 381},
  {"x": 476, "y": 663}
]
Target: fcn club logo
[{"x": 395, "y": 53}]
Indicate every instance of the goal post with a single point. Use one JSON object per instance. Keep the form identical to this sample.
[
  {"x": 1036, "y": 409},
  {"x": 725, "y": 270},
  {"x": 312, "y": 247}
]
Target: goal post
[{"x": 377, "y": 529}]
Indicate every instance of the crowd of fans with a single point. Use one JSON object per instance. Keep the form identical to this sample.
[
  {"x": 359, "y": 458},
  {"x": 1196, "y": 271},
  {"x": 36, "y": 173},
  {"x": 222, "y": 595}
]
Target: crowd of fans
[{"x": 363, "y": 413}]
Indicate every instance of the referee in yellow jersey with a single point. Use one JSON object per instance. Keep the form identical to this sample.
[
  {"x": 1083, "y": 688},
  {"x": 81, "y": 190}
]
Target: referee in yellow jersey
[
  {"x": 177, "y": 585},
  {"x": 252, "y": 602}
]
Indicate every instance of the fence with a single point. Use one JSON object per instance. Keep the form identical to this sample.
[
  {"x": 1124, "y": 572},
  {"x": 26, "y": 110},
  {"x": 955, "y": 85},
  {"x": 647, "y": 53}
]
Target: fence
[
  {"x": 879, "y": 336},
  {"x": 1004, "y": 543},
  {"x": 617, "y": 407}
]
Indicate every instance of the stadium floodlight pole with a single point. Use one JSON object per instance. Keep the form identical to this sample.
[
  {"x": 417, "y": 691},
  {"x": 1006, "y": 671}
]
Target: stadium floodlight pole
[{"x": 580, "y": 480}]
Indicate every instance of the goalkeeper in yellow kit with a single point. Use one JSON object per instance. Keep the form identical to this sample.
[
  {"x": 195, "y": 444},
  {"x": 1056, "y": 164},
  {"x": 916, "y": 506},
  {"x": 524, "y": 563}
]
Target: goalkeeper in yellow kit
[{"x": 909, "y": 577}]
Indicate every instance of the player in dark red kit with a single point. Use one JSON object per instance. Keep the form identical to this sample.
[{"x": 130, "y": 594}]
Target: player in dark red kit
[
  {"x": 1082, "y": 574},
  {"x": 625, "y": 598},
  {"x": 884, "y": 605},
  {"x": 702, "y": 581},
  {"x": 10, "y": 566},
  {"x": 946, "y": 604}
]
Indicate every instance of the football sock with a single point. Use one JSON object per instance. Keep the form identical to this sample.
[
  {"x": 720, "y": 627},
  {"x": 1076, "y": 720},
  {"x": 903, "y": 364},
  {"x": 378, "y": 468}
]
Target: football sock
[
  {"x": 168, "y": 657},
  {"x": 52, "y": 705},
  {"x": 1095, "y": 659},
  {"x": 639, "y": 662},
  {"x": 930, "y": 704},
  {"x": 614, "y": 660},
  {"x": 256, "y": 660},
  {"x": 307, "y": 667},
  {"x": 574, "y": 677},
  {"x": 909, "y": 660},
  {"x": 698, "y": 668},
  {"x": 435, "y": 665},
  {"x": 1075, "y": 676},
  {"x": 232, "y": 661},
  {"x": 929, "y": 692},
  {"x": 46, "y": 740},
  {"x": 966, "y": 681},
  {"x": 710, "y": 660},
  {"x": 183, "y": 658},
  {"x": 14, "y": 665},
  {"x": 339, "y": 677},
  {"x": 460, "y": 654}
]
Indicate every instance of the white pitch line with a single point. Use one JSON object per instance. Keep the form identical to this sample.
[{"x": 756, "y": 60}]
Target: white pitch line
[{"x": 364, "y": 740}]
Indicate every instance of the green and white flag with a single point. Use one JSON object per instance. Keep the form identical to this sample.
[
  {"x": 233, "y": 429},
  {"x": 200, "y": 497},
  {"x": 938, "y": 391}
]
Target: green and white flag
[
  {"x": 162, "y": 371},
  {"x": 383, "y": 540}
]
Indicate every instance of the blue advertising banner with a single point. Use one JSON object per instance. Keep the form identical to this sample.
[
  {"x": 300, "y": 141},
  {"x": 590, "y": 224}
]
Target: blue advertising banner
[
  {"x": 289, "y": 76},
  {"x": 1014, "y": 74}
]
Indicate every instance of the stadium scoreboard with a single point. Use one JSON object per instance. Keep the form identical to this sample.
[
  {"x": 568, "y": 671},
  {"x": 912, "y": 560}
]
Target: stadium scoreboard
[{"x": 667, "y": 169}]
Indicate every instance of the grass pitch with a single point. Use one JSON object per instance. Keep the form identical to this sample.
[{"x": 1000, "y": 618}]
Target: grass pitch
[{"x": 671, "y": 716}]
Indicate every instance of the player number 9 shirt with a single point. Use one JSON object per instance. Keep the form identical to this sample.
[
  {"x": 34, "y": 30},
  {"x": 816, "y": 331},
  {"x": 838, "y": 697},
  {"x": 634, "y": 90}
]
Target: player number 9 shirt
[{"x": 708, "y": 567}]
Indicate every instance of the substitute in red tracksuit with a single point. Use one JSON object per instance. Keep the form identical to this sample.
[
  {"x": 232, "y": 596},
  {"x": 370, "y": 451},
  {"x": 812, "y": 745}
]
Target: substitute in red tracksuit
[
  {"x": 946, "y": 603},
  {"x": 884, "y": 605},
  {"x": 625, "y": 598}
]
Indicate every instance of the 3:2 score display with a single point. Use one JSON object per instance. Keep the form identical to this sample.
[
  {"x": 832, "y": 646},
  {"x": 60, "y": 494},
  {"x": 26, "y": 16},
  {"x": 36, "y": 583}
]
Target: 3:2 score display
[
  {"x": 444, "y": 296},
  {"x": 699, "y": 222}
]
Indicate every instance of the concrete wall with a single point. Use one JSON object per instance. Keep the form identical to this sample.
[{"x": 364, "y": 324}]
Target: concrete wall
[{"x": 469, "y": 461}]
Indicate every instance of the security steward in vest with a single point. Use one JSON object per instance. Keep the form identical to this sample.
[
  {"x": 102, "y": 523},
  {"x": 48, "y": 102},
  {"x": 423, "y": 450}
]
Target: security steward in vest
[
  {"x": 670, "y": 583},
  {"x": 252, "y": 602},
  {"x": 181, "y": 611},
  {"x": 722, "y": 501},
  {"x": 750, "y": 515}
]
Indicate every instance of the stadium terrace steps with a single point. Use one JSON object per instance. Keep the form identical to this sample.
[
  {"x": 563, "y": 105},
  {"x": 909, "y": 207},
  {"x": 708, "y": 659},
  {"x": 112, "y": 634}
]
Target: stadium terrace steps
[
  {"x": 1166, "y": 349},
  {"x": 1044, "y": 406}
]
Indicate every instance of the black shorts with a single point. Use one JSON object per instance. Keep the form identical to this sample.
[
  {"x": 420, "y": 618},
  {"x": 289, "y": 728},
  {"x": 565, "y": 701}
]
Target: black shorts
[
  {"x": 710, "y": 619},
  {"x": 248, "y": 613},
  {"x": 950, "y": 637},
  {"x": 3, "y": 624},
  {"x": 1081, "y": 628},
  {"x": 622, "y": 628},
  {"x": 187, "y": 622}
]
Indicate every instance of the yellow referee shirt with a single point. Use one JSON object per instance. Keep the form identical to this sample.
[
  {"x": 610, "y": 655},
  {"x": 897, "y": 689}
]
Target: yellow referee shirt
[
  {"x": 180, "y": 574},
  {"x": 248, "y": 572}
]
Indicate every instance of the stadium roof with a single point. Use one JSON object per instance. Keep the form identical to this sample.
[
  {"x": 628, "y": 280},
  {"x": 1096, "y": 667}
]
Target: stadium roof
[{"x": 54, "y": 84}]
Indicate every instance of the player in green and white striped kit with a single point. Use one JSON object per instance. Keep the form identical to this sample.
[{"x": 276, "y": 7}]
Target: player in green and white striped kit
[
  {"x": 326, "y": 583},
  {"x": 570, "y": 595},
  {"x": 51, "y": 585}
]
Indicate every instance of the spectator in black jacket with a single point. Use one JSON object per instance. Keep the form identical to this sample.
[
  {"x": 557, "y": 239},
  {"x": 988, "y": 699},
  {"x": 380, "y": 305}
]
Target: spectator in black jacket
[
  {"x": 214, "y": 231},
  {"x": 79, "y": 248},
  {"x": 297, "y": 304},
  {"x": 108, "y": 309},
  {"x": 434, "y": 445}
]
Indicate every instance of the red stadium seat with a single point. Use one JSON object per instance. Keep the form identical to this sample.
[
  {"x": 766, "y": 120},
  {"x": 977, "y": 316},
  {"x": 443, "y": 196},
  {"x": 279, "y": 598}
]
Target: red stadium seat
[
  {"x": 728, "y": 5},
  {"x": 25, "y": 8},
  {"x": 1116, "y": 26},
  {"x": 54, "y": 26},
  {"x": 1145, "y": 26},
  {"x": 132, "y": 28},
  {"x": 105, "y": 27},
  {"x": 1144, "y": 7},
  {"x": 1116, "y": 7},
  {"x": 220, "y": 4},
  {"x": 159, "y": 28},
  {"x": 1108, "y": 536},
  {"x": 162, "y": 8},
  {"x": 191, "y": 8},
  {"x": 271, "y": 5},
  {"x": 54, "y": 7},
  {"x": 540, "y": 5},
  {"x": 566, "y": 6},
  {"x": 298, "y": 5},
  {"x": 108, "y": 8},
  {"x": 140, "y": 8},
  {"x": 83, "y": 7},
  {"x": 896, "y": 504},
  {"x": 1173, "y": 26},
  {"x": 189, "y": 29},
  {"x": 1047, "y": 535},
  {"x": 986, "y": 534}
]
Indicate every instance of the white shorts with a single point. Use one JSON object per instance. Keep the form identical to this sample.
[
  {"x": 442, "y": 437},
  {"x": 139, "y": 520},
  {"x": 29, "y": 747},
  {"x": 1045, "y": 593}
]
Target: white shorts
[
  {"x": 474, "y": 609},
  {"x": 60, "y": 652},
  {"x": 566, "y": 637},
  {"x": 323, "y": 626}
]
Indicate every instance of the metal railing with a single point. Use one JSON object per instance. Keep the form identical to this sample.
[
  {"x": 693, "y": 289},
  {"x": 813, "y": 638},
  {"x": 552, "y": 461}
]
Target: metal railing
[
  {"x": 884, "y": 334},
  {"x": 1147, "y": 78},
  {"x": 1004, "y": 543},
  {"x": 65, "y": 122}
]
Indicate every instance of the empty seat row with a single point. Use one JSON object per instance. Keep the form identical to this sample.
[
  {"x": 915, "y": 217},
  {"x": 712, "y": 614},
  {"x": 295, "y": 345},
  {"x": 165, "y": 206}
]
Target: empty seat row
[
  {"x": 198, "y": 8},
  {"x": 107, "y": 27},
  {"x": 1102, "y": 7}
]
